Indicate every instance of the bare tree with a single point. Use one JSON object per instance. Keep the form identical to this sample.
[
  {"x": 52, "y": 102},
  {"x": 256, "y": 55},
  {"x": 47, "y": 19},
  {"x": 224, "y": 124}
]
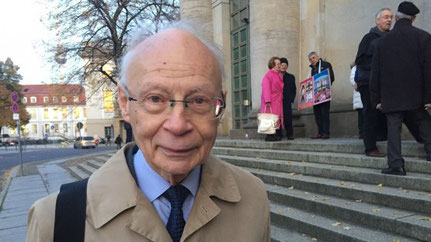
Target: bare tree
[{"x": 95, "y": 31}]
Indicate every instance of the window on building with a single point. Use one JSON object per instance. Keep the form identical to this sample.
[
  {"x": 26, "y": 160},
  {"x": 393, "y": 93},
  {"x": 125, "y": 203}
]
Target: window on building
[
  {"x": 64, "y": 112},
  {"x": 45, "y": 99},
  {"x": 85, "y": 112},
  {"x": 32, "y": 113},
  {"x": 55, "y": 113},
  {"x": 56, "y": 128},
  {"x": 55, "y": 99},
  {"x": 63, "y": 99},
  {"x": 65, "y": 128},
  {"x": 34, "y": 128},
  {"x": 45, "y": 113},
  {"x": 46, "y": 128},
  {"x": 109, "y": 101},
  {"x": 24, "y": 100},
  {"x": 76, "y": 112},
  {"x": 76, "y": 99},
  {"x": 33, "y": 99}
]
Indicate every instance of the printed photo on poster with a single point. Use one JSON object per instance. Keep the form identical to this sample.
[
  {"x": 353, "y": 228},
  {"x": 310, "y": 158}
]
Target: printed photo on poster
[
  {"x": 322, "y": 87},
  {"x": 305, "y": 97}
]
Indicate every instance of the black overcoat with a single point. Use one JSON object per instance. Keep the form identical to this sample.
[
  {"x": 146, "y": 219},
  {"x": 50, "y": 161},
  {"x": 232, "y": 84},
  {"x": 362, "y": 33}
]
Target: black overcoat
[
  {"x": 289, "y": 88},
  {"x": 401, "y": 69}
]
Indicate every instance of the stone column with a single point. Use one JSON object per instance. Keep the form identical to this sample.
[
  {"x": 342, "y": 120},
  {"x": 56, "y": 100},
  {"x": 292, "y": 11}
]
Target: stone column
[
  {"x": 274, "y": 31},
  {"x": 221, "y": 30},
  {"x": 199, "y": 11}
]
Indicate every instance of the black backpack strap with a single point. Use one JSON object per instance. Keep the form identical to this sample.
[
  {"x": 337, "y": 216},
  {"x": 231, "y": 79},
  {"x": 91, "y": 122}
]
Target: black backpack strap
[{"x": 70, "y": 212}]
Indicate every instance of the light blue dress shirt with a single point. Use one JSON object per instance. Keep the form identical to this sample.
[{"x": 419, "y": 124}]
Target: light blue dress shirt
[{"x": 153, "y": 186}]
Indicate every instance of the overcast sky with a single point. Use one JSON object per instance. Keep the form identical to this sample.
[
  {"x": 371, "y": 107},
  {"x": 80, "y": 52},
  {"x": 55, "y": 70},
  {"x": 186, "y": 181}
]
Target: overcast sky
[{"x": 21, "y": 36}]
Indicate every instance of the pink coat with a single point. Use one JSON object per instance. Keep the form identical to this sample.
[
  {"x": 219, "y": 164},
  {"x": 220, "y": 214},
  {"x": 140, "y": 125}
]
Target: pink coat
[{"x": 272, "y": 91}]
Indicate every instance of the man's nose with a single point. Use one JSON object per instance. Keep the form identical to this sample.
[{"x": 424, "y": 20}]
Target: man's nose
[{"x": 177, "y": 121}]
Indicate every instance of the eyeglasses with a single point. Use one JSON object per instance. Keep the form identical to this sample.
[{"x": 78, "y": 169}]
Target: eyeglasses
[{"x": 198, "y": 104}]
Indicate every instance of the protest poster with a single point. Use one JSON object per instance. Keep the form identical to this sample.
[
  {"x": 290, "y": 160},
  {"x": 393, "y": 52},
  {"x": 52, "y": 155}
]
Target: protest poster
[
  {"x": 315, "y": 90},
  {"x": 322, "y": 87},
  {"x": 305, "y": 94}
]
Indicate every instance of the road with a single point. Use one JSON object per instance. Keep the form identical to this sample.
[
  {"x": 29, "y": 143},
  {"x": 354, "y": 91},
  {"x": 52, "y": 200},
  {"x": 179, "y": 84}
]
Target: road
[{"x": 10, "y": 157}]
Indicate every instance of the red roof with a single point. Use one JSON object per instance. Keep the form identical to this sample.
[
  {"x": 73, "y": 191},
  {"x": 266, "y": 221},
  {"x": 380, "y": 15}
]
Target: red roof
[{"x": 52, "y": 91}]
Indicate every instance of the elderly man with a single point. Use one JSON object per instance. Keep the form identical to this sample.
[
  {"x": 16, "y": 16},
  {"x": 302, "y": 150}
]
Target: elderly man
[
  {"x": 321, "y": 111},
  {"x": 167, "y": 186},
  {"x": 374, "y": 121},
  {"x": 401, "y": 83},
  {"x": 289, "y": 94}
]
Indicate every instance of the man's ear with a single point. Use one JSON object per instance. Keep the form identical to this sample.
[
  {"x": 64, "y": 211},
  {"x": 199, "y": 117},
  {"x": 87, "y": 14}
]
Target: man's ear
[{"x": 122, "y": 101}]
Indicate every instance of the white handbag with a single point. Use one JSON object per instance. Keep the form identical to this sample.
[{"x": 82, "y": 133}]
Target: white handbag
[{"x": 267, "y": 123}]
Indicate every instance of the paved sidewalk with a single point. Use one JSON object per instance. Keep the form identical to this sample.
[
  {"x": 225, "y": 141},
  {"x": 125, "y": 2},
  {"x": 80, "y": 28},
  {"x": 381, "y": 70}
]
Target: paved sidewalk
[{"x": 22, "y": 191}]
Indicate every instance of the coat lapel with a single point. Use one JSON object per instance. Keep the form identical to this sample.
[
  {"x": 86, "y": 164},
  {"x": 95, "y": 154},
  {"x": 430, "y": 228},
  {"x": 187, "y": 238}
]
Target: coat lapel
[
  {"x": 112, "y": 190},
  {"x": 216, "y": 181},
  {"x": 146, "y": 222}
]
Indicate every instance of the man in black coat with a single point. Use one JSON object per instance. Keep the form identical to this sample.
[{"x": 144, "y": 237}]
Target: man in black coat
[
  {"x": 289, "y": 94},
  {"x": 321, "y": 111},
  {"x": 401, "y": 83},
  {"x": 374, "y": 121}
]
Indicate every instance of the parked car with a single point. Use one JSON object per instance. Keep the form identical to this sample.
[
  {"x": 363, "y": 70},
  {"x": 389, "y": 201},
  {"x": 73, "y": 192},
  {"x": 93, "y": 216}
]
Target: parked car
[{"x": 84, "y": 142}]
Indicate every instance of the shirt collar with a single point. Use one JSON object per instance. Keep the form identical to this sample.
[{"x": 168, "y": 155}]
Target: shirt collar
[{"x": 153, "y": 185}]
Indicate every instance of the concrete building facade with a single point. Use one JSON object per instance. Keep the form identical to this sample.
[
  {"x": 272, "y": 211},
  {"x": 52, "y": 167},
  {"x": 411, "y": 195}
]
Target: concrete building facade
[{"x": 251, "y": 31}]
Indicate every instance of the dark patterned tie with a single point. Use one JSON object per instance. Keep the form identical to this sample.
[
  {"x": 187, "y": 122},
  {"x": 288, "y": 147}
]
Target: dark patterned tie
[{"x": 176, "y": 196}]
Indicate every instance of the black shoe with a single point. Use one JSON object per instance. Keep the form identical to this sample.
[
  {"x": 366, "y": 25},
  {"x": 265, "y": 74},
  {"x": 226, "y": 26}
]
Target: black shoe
[
  {"x": 429, "y": 156},
  {"x": 290, "y": 138},
  {"x": 269, "y": 138},
  {"x": 400, "y": 171}
]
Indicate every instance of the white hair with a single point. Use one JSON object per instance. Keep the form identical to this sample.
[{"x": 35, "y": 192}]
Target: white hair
[
  {"x": 141, "y": 33},
  {"x": 380, "y": 12},
  {"x": 312, "y": 53},
  {"x": 401, "y": 15}
]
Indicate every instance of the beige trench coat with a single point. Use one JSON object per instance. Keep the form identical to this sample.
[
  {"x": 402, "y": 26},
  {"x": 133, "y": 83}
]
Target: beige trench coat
[{"x": 231, "y": 205}]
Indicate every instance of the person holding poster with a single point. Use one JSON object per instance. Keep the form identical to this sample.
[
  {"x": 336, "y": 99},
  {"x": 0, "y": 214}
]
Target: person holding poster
[
  {"x": 321, "y": 111},
  {"x": 272, "y": 95}
]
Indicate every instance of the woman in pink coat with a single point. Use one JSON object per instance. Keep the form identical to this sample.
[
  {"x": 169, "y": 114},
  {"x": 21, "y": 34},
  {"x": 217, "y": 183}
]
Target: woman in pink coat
[{"x": 272, "y": 95}]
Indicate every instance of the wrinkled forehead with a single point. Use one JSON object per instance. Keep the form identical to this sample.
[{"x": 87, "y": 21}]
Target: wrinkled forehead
[{"x": 174, "y": 53}]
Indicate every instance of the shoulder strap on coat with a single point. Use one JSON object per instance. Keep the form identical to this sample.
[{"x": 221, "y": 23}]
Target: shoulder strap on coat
[{"x": 70, "y": 212}]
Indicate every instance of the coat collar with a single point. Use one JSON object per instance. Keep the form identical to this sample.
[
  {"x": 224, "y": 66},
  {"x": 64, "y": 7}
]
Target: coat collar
[
  {"x": 112, "y": 190},
  {"x": 403, "y": 22}
]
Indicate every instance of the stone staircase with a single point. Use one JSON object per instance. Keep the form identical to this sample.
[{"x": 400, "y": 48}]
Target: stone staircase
[
  {"x": 327, "y": 190},
  {"x": 84, "y": 169}
]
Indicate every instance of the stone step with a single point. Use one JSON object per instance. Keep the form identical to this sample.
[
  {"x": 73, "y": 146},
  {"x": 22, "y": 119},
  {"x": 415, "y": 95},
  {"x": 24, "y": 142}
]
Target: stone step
[
  {"x": 86, "y": 168},
  {"x": 413, "y": 181},
  {"x": 352, "y": 160},
  {"x": 280, "y": 234},
  {"x": 394, "y": 221},
  {"x": 326, "y": 228},
  {"x": 95, "y": 163},
  {"x": 77, "y": 172},
  {"x": 338, "y": 145},
  {"x": 398, "y": 198}
]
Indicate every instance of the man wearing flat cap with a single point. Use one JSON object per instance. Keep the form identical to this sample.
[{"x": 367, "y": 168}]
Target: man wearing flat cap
[{"x": 400, "y": 83}]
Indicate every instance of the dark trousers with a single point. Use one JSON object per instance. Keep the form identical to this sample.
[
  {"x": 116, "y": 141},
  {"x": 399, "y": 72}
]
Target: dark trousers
[
  {"x": 287, "y": 119},
  {"x": 360, "y": 122},
  {"x": 371, "y": 120},
  {"x": 420, "y": 118},
  {"x": 321, "y": 115}
]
